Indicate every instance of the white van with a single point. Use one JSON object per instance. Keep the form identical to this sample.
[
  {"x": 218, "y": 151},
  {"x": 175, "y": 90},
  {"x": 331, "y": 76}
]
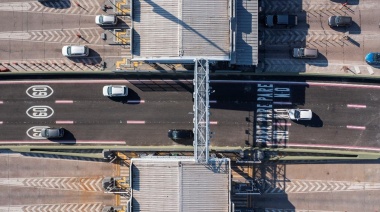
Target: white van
[{"x": 305, "y": 53}]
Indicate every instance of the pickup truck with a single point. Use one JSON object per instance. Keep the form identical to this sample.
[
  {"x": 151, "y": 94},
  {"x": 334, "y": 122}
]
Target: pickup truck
[{"x": 285, "y": 20}]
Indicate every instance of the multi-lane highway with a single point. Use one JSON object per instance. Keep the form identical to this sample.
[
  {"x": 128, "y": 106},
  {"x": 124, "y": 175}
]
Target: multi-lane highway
[{"x": 242, "y": 112}]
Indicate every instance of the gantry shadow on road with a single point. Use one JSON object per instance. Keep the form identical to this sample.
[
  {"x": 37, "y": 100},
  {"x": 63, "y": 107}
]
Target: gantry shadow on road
[{"x": 56, "y": 4}]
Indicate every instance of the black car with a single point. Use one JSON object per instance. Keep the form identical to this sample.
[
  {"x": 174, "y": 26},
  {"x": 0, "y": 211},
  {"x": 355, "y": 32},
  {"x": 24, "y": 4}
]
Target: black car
[
  {"x": 338, "y": 21},
  {"x": 52, "y": 132},
  {"x": 176, "y": 134}
]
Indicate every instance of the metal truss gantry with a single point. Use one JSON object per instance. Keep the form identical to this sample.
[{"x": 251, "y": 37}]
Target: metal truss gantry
[{"x": 201, "y": 111}]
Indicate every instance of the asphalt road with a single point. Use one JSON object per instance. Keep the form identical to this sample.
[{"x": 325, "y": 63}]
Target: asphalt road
[{"x": 344, "y": 115}]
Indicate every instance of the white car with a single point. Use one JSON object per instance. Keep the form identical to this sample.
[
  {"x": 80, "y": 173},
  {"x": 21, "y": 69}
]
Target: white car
[
  {"x": 300, "y": 114},
  {"x": 115, "y": 90},
  {"x": 106, "y": 19},
  {"x": 75, "y": 51}
]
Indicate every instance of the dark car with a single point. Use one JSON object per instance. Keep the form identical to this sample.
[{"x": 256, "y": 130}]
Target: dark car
[
  {"x": 176, "y": 134},
  {"x": 52, "y": 132},
  {"x": 338, "y": 21}
]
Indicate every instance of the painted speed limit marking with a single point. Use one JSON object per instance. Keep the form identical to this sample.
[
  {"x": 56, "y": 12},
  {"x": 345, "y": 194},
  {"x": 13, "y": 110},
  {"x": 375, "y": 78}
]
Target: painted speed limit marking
[
  {"x": 35, "y": 132},
  {"x": 40, "y": 112},
  {"x": 39, "y": 91}
]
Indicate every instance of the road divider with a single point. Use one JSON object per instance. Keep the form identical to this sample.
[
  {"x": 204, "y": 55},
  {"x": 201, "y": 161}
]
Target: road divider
[
  {"x": 355, "y": 127},
  {"x": 356, "y": 106},
  {"x": 135, "y": 101},
  {"x": 64, "y": 122},
  {"x": 135, "y": 122},
  {"x": 64, "y": 101}
]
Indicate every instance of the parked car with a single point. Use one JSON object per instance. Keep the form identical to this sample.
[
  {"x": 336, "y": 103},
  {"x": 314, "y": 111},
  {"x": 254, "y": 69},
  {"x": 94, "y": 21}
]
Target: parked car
[
  {"x": 300, "y": 114},
  {"x": 106, "y": 19},
  {"x": 177, "y": 134},
  {"x": 75, "y": 51},
  {"x": 340, "y": 21},
  {"x": 115, "y": 90},
  {"x": 373, "y": 58},
  {"x": 305, "y": 53},
  {"x": 51, "y": 132},
  {"x": 286, "y": 20}
]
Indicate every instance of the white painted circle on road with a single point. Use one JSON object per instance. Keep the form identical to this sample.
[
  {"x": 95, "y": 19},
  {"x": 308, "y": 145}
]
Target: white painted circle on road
[
  {"x": 39, "y": 91},
  {"x": 35, "y": 132},
  {"x": 40, "y": 112}
]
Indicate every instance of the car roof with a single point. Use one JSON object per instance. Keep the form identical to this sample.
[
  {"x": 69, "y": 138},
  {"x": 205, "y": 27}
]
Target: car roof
[
  {"x": 108, "y": 18},
  {"x": 117, "y": 89},
  {"x": 78, "y": 49}
]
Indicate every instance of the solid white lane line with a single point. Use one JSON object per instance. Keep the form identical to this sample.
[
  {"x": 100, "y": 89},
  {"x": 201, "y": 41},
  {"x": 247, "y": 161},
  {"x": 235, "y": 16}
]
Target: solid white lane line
[
  {"x": 64, "y": 101},
  {"x": 331, "y": 146},
  {"x": 64, "y": 122},
  {"x": 136, "y": 101},
  {"x": 356, "y": 106},
  {"x": 213, "y": 122},
  {"x": 135, "y": 122},
  {"x": 355, "y": 127},
  {"x": 63, "y": 141}
]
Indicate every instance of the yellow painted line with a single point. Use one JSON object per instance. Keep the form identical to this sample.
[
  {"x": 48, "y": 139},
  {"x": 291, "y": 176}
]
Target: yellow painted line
[{"x": 121, "y": 62}]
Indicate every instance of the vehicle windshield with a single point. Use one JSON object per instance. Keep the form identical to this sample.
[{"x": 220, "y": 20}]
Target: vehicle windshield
[
  {"x": 109, "y": 90},
  {"x": 376, "y": 57},
  {"x": 275, "y": 19},
  {"x": 101, "y": 19},
  {"x": 301, "y": 51},
  {"x": 297, "y": 114},
  {"x": 337, "y": 19},
  {"x": 69, "y": 50}
]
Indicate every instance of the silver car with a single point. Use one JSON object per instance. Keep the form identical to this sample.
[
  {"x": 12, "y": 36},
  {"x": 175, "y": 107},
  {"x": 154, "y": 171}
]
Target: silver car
[
  {"x": 300, "y": 114},
  {"x": 75, "y": 51},
  {"x": 106, "y": 19},
  {"x": 52, "y": 132},
  {"x": 115, "y": 90}
]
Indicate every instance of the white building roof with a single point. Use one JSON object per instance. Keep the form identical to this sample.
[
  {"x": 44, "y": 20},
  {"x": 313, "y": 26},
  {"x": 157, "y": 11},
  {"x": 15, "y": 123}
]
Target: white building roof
[{"x": 180, "y": 185}]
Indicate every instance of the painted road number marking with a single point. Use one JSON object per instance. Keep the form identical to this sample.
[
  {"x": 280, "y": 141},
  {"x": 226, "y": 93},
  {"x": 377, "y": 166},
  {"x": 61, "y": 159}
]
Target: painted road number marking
[
  {"x": 35, "y": 132},
  {"x": 39, "y": 91},
  {"x": 40, "y": 112}
]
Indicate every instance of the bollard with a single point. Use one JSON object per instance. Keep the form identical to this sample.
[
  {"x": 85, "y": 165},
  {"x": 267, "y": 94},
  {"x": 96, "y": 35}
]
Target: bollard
[{"x": 79, "y": 36}]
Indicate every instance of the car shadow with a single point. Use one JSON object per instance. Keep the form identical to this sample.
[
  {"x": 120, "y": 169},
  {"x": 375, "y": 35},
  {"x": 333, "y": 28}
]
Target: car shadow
[
  {"x": 133, "y": 98},
  {"x": 316, "y": 121},
  {"x": 68, "y": 138},
  {"x": 93, "y": 58},
  {"x": 186, "y": 142},
  {"x": 56, "y": 4},
  {"x": 349, "y": 2}
]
